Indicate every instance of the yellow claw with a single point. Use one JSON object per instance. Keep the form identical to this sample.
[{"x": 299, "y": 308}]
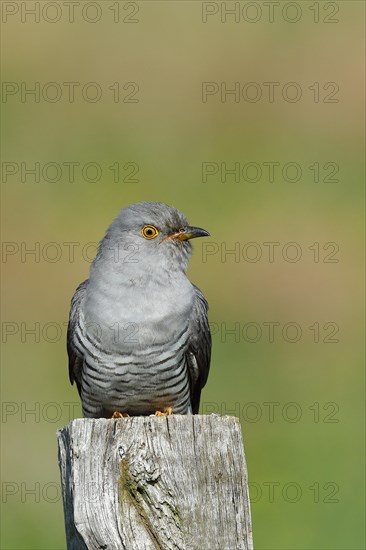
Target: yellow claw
[
  {"x": 117, "y": 414},
  {"x": 168, "y": 411}
]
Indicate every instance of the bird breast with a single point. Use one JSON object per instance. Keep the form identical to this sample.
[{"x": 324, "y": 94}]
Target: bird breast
[{"x": 127, "y": 318}]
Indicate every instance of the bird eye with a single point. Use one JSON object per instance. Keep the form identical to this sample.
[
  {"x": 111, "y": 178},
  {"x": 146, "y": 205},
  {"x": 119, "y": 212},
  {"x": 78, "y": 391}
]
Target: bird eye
[
  {"x": 182, "y": 230},
  {"x": 149, "y": 231}
]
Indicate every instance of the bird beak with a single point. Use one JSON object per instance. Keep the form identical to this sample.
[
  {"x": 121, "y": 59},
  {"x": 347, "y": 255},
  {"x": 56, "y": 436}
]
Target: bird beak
[{"x": 190, "y": 232}]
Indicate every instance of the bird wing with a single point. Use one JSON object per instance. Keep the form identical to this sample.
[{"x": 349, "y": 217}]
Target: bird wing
[
  {"x": 75, "y": 358},
  {"x": 199, "y": 349}
]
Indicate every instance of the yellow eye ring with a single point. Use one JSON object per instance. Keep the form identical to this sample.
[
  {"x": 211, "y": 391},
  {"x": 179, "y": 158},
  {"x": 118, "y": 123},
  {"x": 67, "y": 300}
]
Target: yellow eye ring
[{"x": 149, "y": 232}]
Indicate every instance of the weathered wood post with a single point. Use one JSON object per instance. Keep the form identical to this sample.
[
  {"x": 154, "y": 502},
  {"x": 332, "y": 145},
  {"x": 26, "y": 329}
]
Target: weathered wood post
[{"x": 141, "y": 483}]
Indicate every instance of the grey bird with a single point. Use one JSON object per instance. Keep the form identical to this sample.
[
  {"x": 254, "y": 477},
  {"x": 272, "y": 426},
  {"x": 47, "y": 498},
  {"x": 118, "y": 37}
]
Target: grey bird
[{"x": 138, "y": 338}]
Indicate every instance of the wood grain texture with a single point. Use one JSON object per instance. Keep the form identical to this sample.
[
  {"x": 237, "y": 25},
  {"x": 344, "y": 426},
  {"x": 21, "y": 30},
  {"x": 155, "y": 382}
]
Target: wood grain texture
[{"x": 141, "y": 483}]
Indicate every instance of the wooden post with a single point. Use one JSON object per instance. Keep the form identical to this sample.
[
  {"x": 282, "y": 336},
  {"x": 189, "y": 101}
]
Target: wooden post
[{"x": 140, "y": 483}]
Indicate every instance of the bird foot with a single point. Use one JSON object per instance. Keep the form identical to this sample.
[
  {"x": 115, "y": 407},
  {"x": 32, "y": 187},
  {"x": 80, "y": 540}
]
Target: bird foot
[
  {"x": 168, "y": 411},
  {"x": 117, "y": 414}
]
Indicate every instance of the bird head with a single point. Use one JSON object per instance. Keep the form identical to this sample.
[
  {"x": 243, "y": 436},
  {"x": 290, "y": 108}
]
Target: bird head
[{"x": 151, "y": 233}]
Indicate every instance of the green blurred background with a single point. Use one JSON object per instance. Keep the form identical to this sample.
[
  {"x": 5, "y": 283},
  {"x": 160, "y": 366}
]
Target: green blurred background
[{"x": 300, "y": 403}]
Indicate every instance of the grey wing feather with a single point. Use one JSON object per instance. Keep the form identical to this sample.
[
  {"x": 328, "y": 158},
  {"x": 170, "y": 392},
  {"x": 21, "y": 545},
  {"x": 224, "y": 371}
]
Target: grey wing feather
[
  {"x": 75, "y": 358},
  {"x": 199, "y": 349}
]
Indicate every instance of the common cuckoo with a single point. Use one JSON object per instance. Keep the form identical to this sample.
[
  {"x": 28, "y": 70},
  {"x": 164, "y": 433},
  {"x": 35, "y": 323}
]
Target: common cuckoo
[{"x": 138, "y": 338}]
